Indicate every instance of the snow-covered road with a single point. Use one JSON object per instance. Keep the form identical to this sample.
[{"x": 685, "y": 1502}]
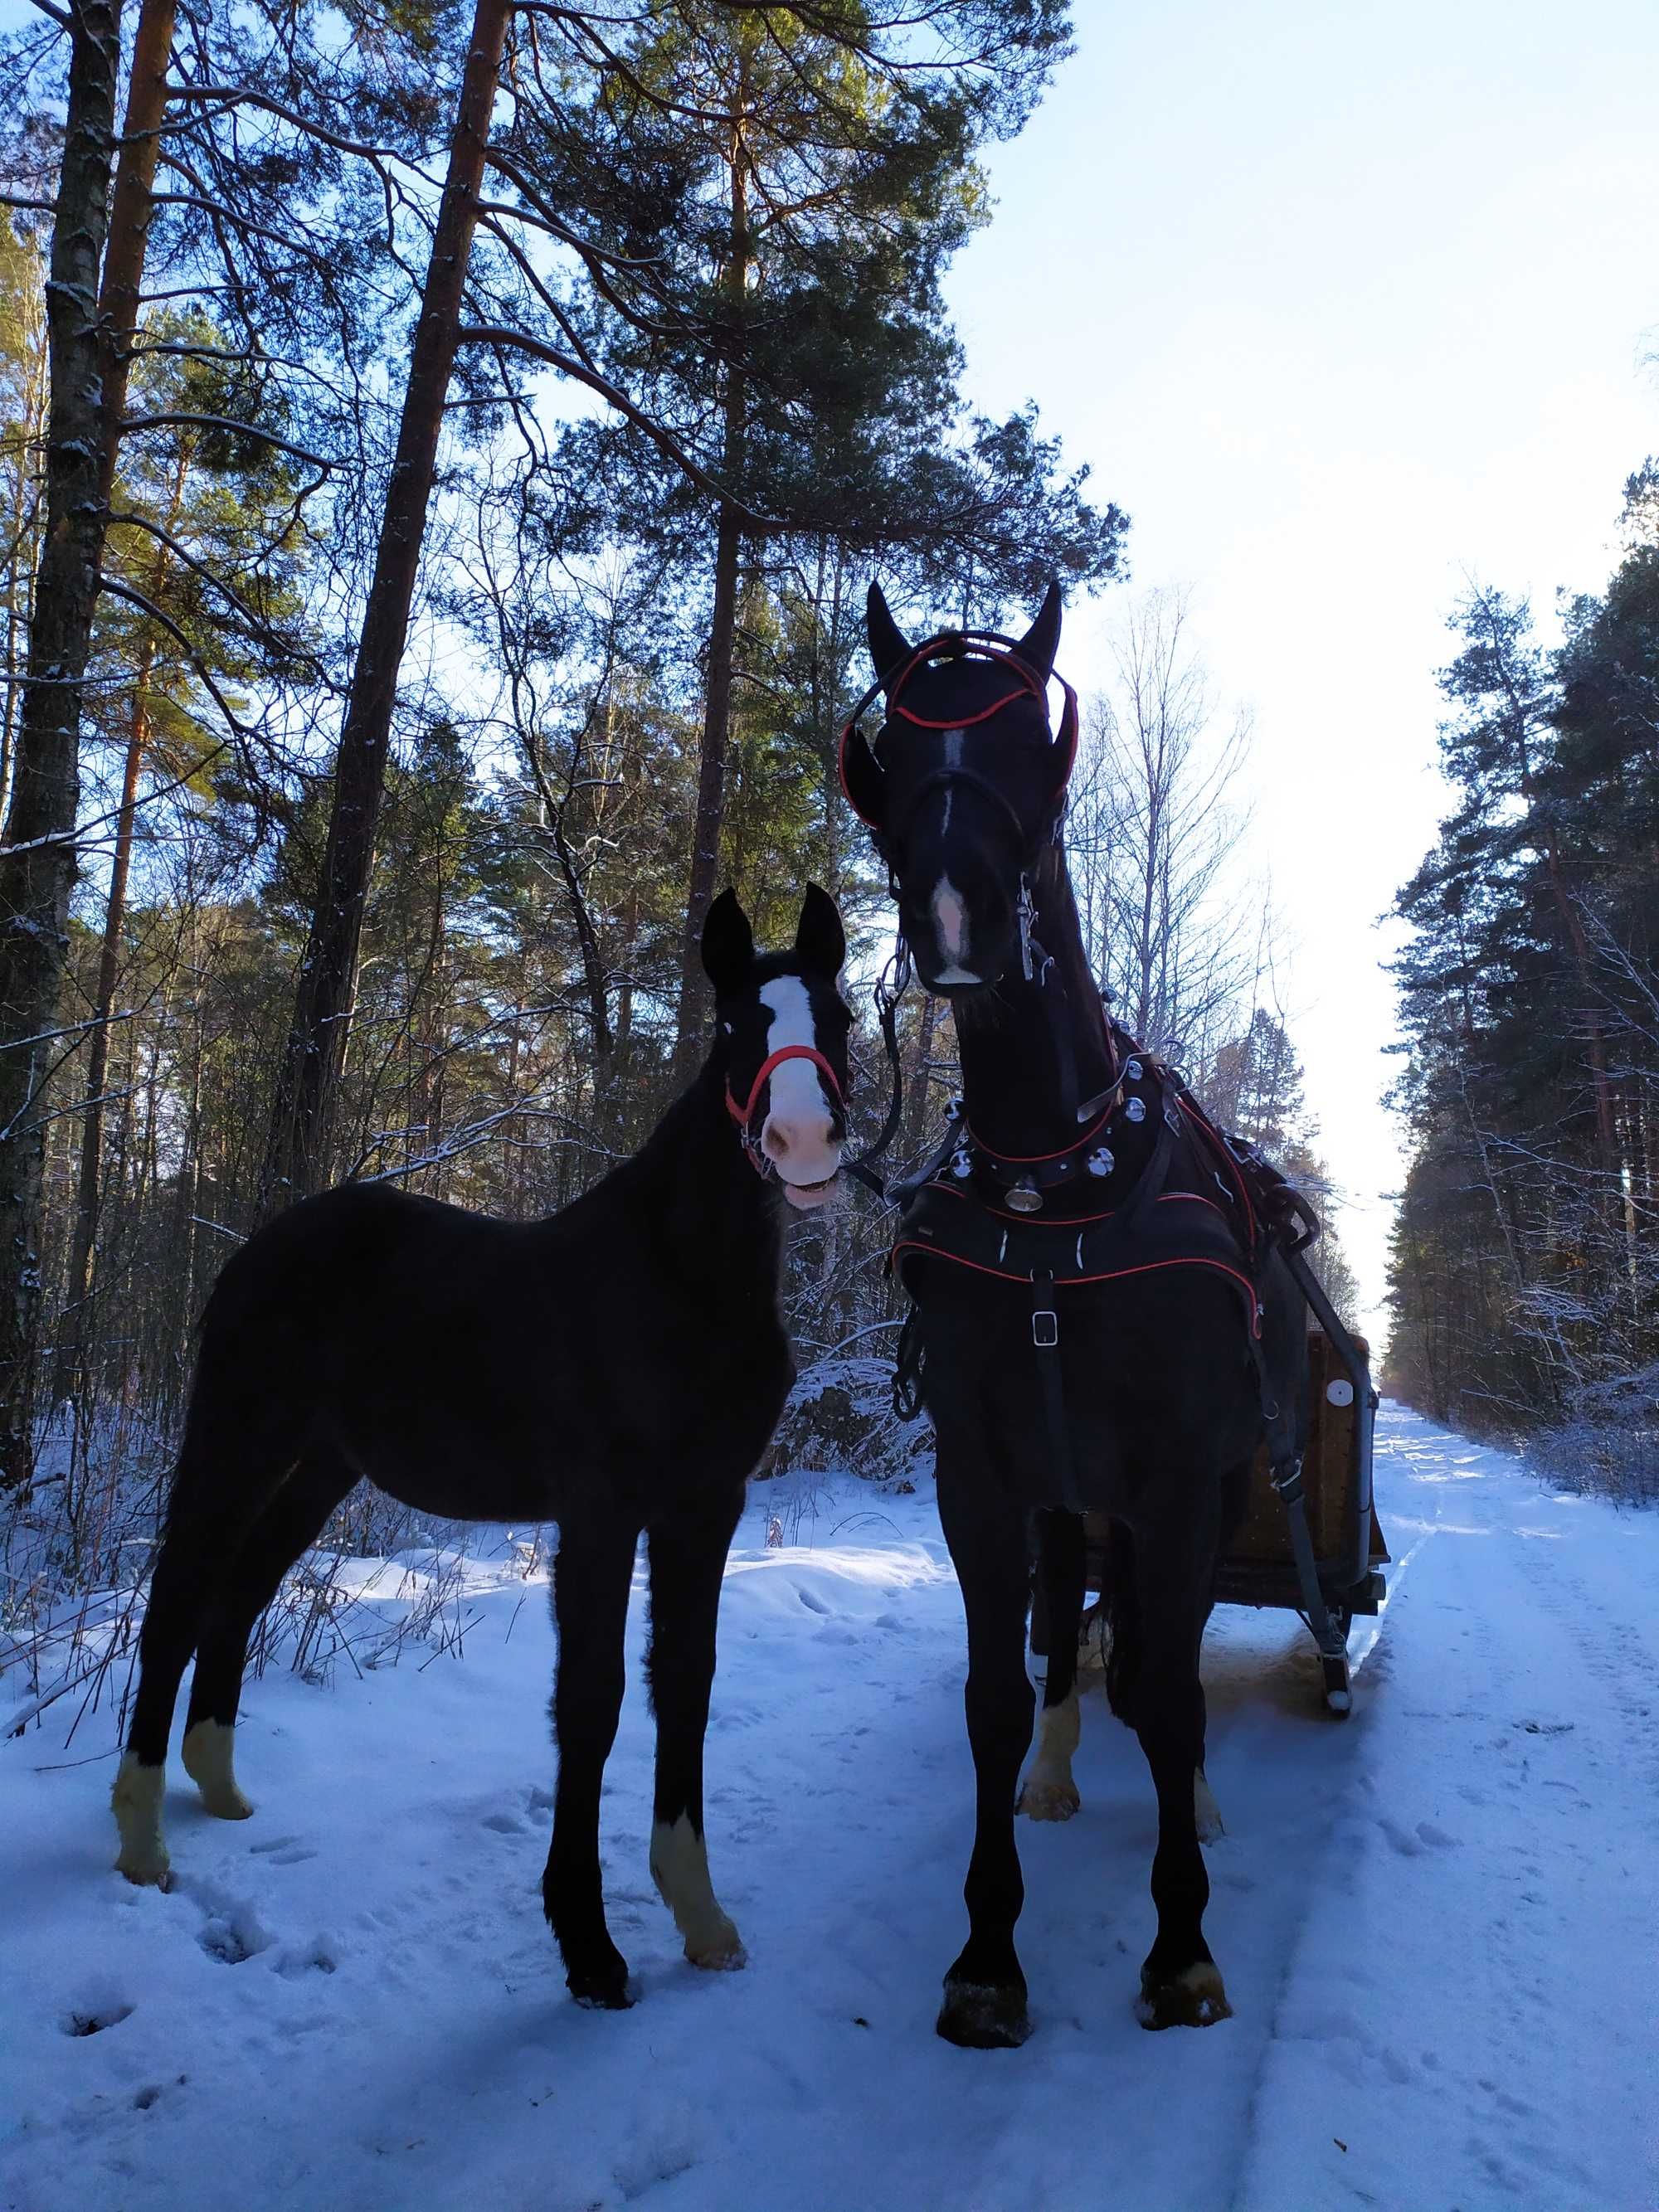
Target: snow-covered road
[{"x": 1439, "y": 1923}]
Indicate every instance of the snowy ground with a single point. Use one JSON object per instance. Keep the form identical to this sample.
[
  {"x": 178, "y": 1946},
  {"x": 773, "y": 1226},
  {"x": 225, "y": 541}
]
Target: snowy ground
[{"x": 1439, "y": 1923}]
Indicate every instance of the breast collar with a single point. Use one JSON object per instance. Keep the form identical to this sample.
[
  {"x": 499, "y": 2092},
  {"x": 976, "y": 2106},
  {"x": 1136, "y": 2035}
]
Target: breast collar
[
  {"x": 1144, "y": 1127},
  {"x": 1121, "y": 1120}
]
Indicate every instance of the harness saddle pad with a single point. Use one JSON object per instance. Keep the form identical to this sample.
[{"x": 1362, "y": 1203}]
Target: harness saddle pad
[{"x": 1177, "y": 1228}]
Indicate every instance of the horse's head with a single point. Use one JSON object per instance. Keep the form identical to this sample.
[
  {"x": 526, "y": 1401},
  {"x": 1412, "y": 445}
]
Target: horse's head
[
  {"x": 783, "y": 1026},
  {"x": 963, "y": 786}
]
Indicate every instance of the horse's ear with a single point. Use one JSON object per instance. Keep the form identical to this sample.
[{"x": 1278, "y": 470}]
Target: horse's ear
[
  {"x": 888, "y": 649},
  {"x": 1041, "y": 642},
  {"x": 728, "y": 945},
  {"x": 863, "y": 778},
  {"x": 820, "y": 941}
]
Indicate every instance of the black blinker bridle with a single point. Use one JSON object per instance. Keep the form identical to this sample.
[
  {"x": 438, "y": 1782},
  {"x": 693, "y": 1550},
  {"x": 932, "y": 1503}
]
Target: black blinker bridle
[{"x": 986, "y": 645}]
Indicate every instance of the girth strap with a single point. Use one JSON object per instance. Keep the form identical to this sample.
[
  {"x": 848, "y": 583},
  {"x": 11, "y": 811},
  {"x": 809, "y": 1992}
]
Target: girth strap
[{"x": 1045, "y": 1335}]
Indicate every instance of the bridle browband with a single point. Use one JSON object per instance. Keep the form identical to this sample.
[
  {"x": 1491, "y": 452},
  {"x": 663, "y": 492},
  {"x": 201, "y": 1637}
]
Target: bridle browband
[{"x": 999, "y": 651}]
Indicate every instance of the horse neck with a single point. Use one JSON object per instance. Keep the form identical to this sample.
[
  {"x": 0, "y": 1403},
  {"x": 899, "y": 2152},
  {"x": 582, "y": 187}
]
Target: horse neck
[
  {"x": 1015, "y": 1083},
  {"x": 716, "y": 1215}
]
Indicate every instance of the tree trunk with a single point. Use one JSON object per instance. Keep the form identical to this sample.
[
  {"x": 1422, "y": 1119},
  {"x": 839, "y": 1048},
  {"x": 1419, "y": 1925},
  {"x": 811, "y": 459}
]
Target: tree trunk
[
  {"x": 38, "y": 869},
  {"x": 722, "y": 633},
  {"x": 24, "y": 534},
  {"x": 109, "y": 970},
  {"x": 308, "y": 1080}
]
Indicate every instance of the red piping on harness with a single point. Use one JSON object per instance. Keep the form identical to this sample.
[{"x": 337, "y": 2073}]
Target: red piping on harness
[
  {"x": 1031, "y": 1159},
  {"x": 1115, "y": 1275}
]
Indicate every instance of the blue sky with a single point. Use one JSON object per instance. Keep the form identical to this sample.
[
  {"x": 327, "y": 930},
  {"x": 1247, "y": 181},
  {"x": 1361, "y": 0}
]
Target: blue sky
[{"x": 1346, "y": 305}]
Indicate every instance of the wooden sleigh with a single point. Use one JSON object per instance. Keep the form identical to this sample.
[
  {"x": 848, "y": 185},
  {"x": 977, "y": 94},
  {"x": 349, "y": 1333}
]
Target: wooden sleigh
[{"x": 1313, "y": 1545}]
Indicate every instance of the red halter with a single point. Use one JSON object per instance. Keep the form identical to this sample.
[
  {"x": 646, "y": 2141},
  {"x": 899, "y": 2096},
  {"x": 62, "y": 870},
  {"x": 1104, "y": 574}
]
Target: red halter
[{"x": 744, "y": 1115}]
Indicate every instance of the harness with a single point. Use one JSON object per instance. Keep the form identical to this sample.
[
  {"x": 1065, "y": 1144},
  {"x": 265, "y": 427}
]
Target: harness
[
  {"x": 1150, "y": 1185},
  {"x": 1178, "y": 1196}
]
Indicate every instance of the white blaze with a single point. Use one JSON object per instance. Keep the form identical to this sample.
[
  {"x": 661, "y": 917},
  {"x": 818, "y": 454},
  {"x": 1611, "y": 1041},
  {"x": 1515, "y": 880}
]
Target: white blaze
[
  {"x": 951, "y": 916},
  {"x": 799, "y": 1138},
  {"x": 950, "y": 925}
]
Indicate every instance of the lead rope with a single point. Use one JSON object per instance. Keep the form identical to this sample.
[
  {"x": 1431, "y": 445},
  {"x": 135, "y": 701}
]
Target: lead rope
[{"x": 890, "y": 987}]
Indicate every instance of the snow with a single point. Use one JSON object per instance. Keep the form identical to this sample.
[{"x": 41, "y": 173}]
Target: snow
[{"x": 1437, "y": 1920}]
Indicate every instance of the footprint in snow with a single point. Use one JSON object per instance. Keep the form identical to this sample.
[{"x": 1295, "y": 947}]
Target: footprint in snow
[
  {"x": 320, "y": 1956},
  {"x": 1411, "y": 1844},
  {"x": 92, "y": 2017},
  {"x": 232, "y": 1932}
]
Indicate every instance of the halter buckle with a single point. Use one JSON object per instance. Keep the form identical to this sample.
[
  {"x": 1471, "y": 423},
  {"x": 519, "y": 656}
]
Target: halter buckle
[{"x": 1045, "y": 1329}]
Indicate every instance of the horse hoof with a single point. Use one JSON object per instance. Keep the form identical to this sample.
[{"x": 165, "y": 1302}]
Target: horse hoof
[
  {"x": 719, "y": 1952},
  {"x": 601, "y": 1992},
  {"x": 1049, "y": 1800},
  {"x": 143, "y": 1876},
  {"x": 1196, "y": 1997},
  {"x": 984, "y": 2015},
  {"x": 207, "y": 1755},
  {"x": 136, "y": 1801}
]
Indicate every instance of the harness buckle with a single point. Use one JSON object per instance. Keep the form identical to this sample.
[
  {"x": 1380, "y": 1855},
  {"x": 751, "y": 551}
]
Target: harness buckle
[{"x": 1045, "y": 1329}]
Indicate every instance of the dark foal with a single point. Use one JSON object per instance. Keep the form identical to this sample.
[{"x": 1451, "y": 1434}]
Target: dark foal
[
  {"x": 1161, "y": 1408},
  {"x": 617, "y": 1367}
]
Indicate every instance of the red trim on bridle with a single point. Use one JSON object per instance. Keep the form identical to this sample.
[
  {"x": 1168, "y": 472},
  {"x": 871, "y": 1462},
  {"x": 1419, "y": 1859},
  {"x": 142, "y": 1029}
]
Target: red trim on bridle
[
  {"x": 743, "y": 1115},
  {"x": 950, "y": 645}
]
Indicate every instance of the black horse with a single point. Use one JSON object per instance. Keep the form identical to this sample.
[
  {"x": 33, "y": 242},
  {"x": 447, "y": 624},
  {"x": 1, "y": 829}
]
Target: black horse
[
  {"x": 617, "y": 1367},
  {"x": 1135, "y": 1389}
]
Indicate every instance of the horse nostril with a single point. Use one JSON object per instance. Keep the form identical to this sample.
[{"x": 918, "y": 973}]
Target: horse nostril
[{"x": 774, "y": 1140}]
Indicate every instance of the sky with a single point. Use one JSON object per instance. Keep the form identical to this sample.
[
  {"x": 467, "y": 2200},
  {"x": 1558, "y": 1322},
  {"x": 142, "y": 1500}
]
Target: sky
[{"x": 1346, "y": 306}]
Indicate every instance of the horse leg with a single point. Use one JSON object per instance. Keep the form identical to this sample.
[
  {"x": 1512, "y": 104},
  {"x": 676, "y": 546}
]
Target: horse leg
[
  {"x": 985, "y": 2006},
  {"x": 1235, "y": 1501},
  {"x": 1181, "y": 1984},
  {"x": 688, "y": 1560},
  {"x": 590, "y": 1577},
  {"x": 289, "y": 1526},
  {"x": 1123, "y": 1668},
  {"x": 205, "y": 1525},
  {"x": 1050, "y": 1793}
]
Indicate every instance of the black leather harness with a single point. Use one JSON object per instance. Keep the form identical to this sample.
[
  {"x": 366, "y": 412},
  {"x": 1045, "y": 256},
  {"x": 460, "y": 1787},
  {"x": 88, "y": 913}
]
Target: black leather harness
[{"x": 1151, "y": 1184}]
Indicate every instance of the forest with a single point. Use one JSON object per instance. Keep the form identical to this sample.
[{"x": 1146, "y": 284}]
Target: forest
[
  {"x": 1525, "y": 1269},
  {"x": 444, "y": 452}
]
